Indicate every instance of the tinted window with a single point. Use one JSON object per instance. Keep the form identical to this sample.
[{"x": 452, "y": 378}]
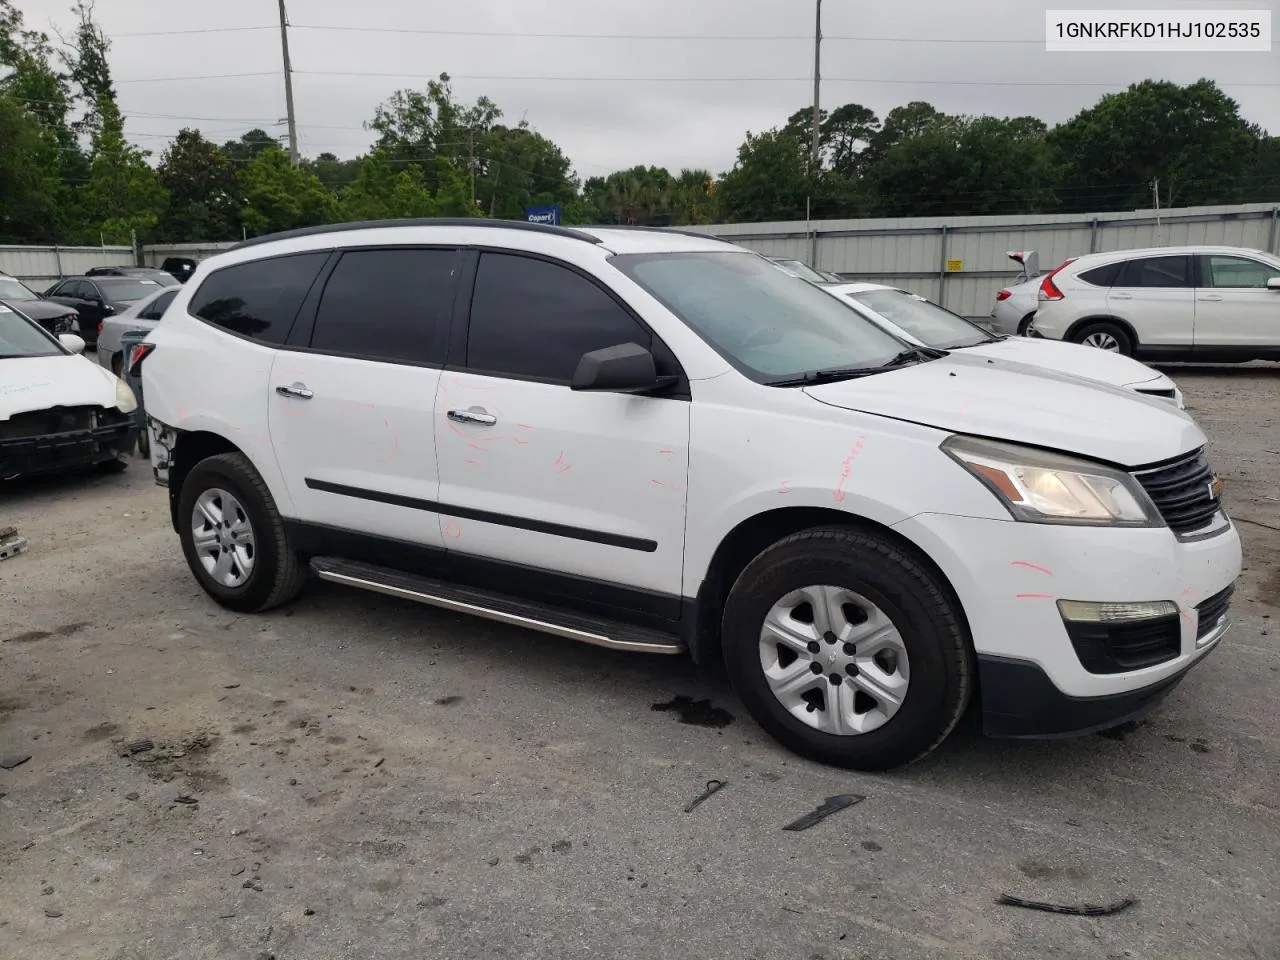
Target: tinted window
[
  {"x": 1103, "y": 276},
  {"x": 389, "y": 304},
  {"x": 258, "y": 299},
  {"x": 1156, "y": 272},
  {"x": 156, "y": 308},
  {"x": 532, "y": 318},
  {"x": 1238, "y": 272}
]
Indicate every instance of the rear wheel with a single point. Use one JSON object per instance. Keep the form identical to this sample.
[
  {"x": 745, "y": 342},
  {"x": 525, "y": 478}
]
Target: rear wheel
[
  {"x": 1105, "y": 336},
  {"x": 234, "y": 538},
  {"x": 1025, "y": 323},
  {"x": 847, "y": 650}
]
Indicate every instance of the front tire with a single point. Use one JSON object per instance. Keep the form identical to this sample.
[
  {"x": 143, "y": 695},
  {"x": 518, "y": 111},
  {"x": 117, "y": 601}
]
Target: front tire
[
  {"x": 234, "y": 538},
  {"x": 847, "y": 650}
]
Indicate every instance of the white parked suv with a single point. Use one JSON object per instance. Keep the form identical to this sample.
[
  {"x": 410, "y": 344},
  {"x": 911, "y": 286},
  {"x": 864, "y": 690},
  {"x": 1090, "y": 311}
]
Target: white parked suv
[
  {"x": 1216, "y": 304},
  {"x": 660, "y": 442}
]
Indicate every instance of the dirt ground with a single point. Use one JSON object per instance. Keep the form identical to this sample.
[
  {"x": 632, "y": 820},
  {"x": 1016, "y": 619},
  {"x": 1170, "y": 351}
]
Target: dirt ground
[{"x": 357, "y": 777}]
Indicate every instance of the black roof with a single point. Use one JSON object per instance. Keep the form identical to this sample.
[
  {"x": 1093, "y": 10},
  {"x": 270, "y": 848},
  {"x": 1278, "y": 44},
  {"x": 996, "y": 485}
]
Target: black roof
[{"x": 417, "y": 222}]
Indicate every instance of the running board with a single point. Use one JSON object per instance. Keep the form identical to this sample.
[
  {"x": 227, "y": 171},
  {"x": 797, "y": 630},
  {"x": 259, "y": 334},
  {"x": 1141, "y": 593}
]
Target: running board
[{"x": 585, "y": 628}]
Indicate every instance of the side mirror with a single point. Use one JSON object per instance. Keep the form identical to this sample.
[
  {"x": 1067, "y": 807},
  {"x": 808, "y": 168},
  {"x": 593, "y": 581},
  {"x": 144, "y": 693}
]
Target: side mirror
[
  {"x": 71, "y": 342},
  {"x": 625, "y": 368},
  {"x": 1273, "y": 283}
]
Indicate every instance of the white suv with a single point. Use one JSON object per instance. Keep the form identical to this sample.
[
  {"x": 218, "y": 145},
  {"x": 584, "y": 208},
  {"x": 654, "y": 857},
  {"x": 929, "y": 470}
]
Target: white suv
[
  {"x": 660, "y": 442},
  {"x": 1216, "y": 304}
]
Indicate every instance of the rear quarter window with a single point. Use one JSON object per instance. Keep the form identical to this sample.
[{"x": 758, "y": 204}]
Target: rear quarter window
[
  {"x": 1104, "y": 276},
  {"x": 259, "y": 299}
]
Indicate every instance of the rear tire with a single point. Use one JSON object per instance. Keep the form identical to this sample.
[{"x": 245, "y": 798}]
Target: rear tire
[
  {"x": 234, "y": 538},
  {"x": 1025, "y": 323},
  {"x": 873, "y": 604},
  {"x": 1105, "y": 336}
]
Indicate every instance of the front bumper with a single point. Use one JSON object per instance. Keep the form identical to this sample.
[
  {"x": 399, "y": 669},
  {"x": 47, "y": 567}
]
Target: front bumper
[
  {"x": 104, "y": 434},
  {"x": 1009, "y": 575}
]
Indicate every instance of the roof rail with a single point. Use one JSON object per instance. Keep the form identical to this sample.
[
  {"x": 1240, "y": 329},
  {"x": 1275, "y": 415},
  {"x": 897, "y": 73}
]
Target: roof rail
[
  {"x": 647, "y": 229},
  {"x": 416, "y": 222}
]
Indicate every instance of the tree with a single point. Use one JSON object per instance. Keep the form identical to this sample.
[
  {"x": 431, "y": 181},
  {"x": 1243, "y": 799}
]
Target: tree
[
  {"x": 1192, "y": 139},
  {"x": 518, "y": 167},
  {"x": 249, "y": 146},
  {"x": 201, "y": 182},
  {"x": 846, "y": 133},
  {"x": 28, "y": 198},
  {"x": 276, "y": 195},
  {"x": 770, "y": 181},
  {"x": 332, "y": 172},
  {"x": 380, "y": 192},
  {"x": 901, "y": 123},
  {"x": 967, "y": 166}
]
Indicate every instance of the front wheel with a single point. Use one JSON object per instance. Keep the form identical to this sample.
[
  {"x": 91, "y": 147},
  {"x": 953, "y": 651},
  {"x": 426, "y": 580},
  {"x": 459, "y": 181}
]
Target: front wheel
[
  {"x": 847, "y": 650},
  {"x": 234, "y": 538}
]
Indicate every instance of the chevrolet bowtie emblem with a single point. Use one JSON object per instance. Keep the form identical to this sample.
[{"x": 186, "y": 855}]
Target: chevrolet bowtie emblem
[{"x": 1215, "y": 488}]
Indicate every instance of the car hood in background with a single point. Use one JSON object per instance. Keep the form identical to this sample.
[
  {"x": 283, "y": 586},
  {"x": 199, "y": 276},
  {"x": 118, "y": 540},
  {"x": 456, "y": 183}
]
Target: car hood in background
[
  {"x": 1073, "y": 358},
  {"x": 1003, "y": 400},
  {"x": 67, "y": 380},
  {"x": 41, "y": 309}
]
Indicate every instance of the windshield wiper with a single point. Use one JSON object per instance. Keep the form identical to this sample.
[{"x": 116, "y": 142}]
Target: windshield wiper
[{"x": 911, "y": 355}]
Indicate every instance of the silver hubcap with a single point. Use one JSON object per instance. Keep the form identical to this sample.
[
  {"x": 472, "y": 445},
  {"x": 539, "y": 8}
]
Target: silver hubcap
[
  {"x": 834, "y": 660},
  {"x": 223, "y": 537},
  {"x": 1103, "y": 341}
]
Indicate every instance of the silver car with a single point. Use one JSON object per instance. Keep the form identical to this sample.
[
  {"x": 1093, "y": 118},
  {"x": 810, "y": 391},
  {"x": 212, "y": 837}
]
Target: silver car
[{"x": 142, "y": 316}]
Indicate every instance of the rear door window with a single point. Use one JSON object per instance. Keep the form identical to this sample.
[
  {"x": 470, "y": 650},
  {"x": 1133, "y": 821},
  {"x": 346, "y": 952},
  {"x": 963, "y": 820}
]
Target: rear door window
[
  {"x": 259, "y": 299},
  {"x": 1104, "y": 276},
  {"x": 391, "y": 305},
  {"x": 1167, "y": 272},
  {"x": 534, "y": 319}
]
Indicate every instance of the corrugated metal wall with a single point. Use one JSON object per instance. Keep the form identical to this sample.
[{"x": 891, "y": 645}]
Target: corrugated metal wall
[
  {"x": 39, "y": 267},
  {"x": 958, "y": 261},
  {"x": 961, "y": 261}
]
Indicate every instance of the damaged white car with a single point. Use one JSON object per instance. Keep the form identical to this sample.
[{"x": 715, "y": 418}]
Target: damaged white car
[{"x": 58, "y": 410}]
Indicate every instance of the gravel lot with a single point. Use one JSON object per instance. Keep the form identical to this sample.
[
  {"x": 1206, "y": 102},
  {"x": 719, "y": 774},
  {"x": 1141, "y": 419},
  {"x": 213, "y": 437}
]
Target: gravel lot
[{"x": 379, "y": 779}]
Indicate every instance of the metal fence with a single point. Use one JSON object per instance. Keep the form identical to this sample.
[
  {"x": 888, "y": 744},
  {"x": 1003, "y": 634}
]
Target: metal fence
[
  {"x": 960, "y": 262},
  {"x": 40, "y": 267}
]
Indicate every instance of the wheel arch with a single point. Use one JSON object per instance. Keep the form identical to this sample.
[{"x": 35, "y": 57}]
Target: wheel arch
[
  {"x": 191, "y": 448},
  {"x": 1083, "y": 322},
  {"x": 752, "y": 536}
]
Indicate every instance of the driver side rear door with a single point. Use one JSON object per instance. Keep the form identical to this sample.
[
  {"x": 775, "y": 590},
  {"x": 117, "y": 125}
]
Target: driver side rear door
[{"x": 532, "y": 473}]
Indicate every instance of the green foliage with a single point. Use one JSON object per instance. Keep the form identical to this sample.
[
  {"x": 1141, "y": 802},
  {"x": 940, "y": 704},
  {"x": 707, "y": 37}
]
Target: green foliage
[
  {"x": 276, "y": 195},
  {"x": 1191, "y": 138},
  {"x": 381, "y": 192},
  {"x": 201, "y": 182}
]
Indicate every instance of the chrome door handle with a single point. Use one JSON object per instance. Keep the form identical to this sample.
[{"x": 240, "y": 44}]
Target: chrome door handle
[
  {"x": 298, "y": 390},
  {"x": 474, "y": 415},
  {"x": 1121, "y": 296},
  {"x": 1211, "y": 297}
]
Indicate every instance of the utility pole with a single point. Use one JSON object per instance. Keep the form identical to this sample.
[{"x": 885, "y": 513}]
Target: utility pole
[
  {"x": 288, "y": 85},
  {"x": 817, "y": 83}
]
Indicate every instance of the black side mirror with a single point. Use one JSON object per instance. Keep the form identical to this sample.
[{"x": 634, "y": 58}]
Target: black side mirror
[{"x": 625, "y": 368}]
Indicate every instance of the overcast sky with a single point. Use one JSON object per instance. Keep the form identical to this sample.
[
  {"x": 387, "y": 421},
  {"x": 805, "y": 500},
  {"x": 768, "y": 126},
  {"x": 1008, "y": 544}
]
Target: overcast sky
[{"x": 604, "y": 122}]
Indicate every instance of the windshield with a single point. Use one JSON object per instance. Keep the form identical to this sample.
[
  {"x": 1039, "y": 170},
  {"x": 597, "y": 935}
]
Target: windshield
[
  {"x": 929, "y": 323},
  {"x": 767, "y": 323},
  {"x": 125, "y": 289},
  {"x": 21, "y": 338},
  {"x": 11, "y": 289}
]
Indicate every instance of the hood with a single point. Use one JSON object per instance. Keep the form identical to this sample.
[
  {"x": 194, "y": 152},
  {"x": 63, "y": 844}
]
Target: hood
[
  {"x": 1002, "y": 400},
  {"x": 67, "y": 380},
  {"x": 41, "y": 309},
  {"x": 1080, "y": 361}
]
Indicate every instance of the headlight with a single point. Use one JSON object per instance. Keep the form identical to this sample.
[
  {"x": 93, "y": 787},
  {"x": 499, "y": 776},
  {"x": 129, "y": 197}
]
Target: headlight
[
  {"x": 125, "y": 399},
  {"x": 1042, "y": 487}
]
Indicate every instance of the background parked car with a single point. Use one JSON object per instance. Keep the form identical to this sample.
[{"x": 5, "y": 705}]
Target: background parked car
[
  {"x": 919, "y": 320},
  {"x": 802, "y": 270},
  {"x": 180, "y": 268},
  {"x": 162, "y": 277},
  {"x": 1016, "y": 304},
  {"x": 57, "y": 318},
  {"x": 141, "y": 316},
  {"x": 57, "y": 409},
  {"x": 1220, "y": 304},
  {"x": 96, "y": 298}
]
